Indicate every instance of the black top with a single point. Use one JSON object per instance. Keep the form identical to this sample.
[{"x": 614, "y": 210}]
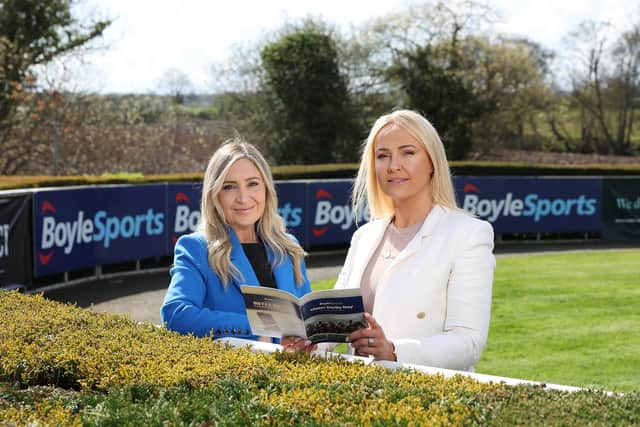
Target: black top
[{"x": 258, "y": 258}]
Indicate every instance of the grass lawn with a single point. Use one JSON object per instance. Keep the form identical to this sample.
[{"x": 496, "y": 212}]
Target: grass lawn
[
  {"x": 323, "y": 284},
  {"x": 569, "y": 318}
]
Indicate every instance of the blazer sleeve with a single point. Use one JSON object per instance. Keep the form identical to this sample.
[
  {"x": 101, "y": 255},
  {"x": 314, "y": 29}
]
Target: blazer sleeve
[
  {"x": 341, "y": 283},
  {"x": 183, "y": 309},
  {"x": 468, "y": 300},
  {"x": 345, "y": 271}
]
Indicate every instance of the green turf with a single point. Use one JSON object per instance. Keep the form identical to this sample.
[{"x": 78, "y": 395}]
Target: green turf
[
  {"x": 570, "y": 318},
  {"x": 323, "y": 284}
]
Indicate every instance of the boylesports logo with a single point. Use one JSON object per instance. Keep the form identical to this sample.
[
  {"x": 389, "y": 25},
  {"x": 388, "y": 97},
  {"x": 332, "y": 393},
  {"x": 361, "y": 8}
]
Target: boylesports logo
[
  {"x": 531, "y": 205},
  {"x": 329, "y": 214},
  {"x": 102, "y": 228},
  {"x": 187, "y": 220}
]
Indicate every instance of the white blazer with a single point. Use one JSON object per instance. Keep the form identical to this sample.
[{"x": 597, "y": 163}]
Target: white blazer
[{"x": 434, "y": 300}]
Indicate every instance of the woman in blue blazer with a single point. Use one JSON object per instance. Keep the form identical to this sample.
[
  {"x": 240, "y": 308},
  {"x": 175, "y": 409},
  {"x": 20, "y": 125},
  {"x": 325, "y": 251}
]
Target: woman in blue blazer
[{"x": 241, "y": 241}]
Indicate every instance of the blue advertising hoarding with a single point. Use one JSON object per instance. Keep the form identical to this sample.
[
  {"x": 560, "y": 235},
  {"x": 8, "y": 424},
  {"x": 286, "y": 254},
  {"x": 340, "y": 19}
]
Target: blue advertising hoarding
[
  {"x": 83, "y": 227},
  {"x": 291, "y": 207},
  {"x": 329, "y": 212},
  {"x": 183, "y": 211},
  {"x": 522, "y": 205},
  {"x": 77, "y": 228}
]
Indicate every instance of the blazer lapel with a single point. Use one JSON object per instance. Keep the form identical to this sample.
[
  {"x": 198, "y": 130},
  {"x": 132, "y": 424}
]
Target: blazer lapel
[
  {"x": 366, "y": 247},
  {"x": 428, "y": 227},
  {"x": 283, "y": 273}
]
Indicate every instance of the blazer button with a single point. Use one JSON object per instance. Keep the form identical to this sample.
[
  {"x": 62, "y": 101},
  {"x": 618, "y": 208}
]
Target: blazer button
[
  {"x": 226, "y": 332},
  {"x": 235, "y": 331},
  {"x": 421, "y": 315},
  {"x": 217, "y": 331},
  {"x": 246, "y": 332}
]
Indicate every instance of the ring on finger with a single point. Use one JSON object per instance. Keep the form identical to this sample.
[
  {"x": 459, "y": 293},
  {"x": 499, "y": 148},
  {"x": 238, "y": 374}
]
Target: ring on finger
[{"x": 371, "y": 341}]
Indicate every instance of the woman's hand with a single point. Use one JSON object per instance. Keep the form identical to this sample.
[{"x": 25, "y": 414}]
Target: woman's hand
[
  {"x": 372, "y": 341},
  {"x": 292, "y": 344}
]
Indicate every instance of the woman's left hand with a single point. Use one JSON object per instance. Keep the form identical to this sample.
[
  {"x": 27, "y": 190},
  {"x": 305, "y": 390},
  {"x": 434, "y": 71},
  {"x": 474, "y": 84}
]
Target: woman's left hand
[
  {"x": 292, "y": 344},
  {"x": 372, "y": 341}
]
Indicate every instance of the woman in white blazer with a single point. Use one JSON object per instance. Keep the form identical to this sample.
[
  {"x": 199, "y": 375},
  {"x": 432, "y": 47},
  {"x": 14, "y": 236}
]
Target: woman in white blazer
[{"x": 425, "y": 267}]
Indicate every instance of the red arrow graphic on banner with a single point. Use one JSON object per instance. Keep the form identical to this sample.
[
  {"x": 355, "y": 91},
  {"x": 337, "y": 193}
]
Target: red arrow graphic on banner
[
  {"x": 323, "y": 193},
  {"x": 317, "y": 232},
  {"x": 181, "y": 197},
  {"x": 471, "y": 187},
  {"x": 47, "y": 207},
  {"x": 45, "y": 258}
]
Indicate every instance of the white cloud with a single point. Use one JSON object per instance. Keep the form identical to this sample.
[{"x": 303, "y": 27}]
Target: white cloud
[{"x": 149, "y": 37}]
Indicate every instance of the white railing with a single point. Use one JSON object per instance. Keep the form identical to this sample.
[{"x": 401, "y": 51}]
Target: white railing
[{"x": 263, "y": 347}]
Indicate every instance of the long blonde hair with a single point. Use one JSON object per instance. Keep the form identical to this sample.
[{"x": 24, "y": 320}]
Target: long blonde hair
[
  {"x": 270, "y": 227},
  {"x": 366, "y": 187}
]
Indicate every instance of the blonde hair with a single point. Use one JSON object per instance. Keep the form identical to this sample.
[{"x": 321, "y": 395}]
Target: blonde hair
[
  {"x": 270, "y": 227},
  {"x": 366, "y": 185}
]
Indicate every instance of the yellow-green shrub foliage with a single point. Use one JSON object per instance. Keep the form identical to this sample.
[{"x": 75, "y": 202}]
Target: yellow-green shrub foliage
[{"x": 110, "y": 358}]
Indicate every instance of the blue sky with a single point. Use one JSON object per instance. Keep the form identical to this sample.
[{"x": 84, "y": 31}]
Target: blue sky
[{"x": 148, "y": 37}]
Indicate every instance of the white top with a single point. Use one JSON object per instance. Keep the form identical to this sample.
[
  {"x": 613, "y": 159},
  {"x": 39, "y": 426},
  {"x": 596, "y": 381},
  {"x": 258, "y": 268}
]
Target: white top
[{"x": 395, "y": 239}]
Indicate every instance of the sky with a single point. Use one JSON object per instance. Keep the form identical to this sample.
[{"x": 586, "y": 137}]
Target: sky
[{"x": 149, "y": 37}]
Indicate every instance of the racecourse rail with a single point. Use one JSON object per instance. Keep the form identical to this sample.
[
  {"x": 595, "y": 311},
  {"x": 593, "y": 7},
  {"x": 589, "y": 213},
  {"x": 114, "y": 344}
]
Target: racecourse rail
[{"x": 53, "y": 237}]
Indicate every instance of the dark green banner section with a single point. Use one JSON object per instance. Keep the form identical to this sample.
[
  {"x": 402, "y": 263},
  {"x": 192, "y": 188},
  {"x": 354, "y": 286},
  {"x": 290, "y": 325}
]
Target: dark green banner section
[
  {"x": 621, "y": 209},
  {"x": 15, "y": 241}
]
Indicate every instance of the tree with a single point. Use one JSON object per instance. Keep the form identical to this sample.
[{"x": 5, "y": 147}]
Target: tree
[
  {"x": 32, "y": 33},
  {"x": 625, "y": 87},
  {"x": 177, "y": 84},
  {"x": 426, "y": 49},
  {"x": 481, "y": 91},
  {"x": 310, "y": 102},
  {"x": 435, "y": 86},
  {"x": 605, "y": 84},
  {"x": 509, "y": 75}
]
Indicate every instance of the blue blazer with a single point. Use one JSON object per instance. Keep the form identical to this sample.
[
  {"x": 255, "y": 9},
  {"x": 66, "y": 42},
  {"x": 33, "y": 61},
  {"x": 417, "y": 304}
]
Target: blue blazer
[{"x": 197, "y": 303}]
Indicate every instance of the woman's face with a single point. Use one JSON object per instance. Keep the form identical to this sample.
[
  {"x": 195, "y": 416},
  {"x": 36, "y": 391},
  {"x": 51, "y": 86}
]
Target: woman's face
[
  {"x": 403, "y": 167},
  {"x": 242, "y": 198}
]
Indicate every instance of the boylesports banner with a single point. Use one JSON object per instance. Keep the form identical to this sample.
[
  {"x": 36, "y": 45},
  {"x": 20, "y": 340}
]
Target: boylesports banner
[
  {"x": 79, "y": 228},
  {"x": 523, "y": 205},
  {"x": 76, "y": 228}
]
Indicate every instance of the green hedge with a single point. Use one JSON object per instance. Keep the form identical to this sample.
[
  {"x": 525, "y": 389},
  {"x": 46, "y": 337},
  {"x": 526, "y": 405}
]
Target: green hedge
[
  {"x": 345, "y": 170},
  {"x": 62, "y": 365}
]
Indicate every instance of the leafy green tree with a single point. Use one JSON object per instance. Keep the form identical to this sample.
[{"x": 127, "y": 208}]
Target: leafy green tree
[
  {"x": 32, "y": 33},
  {"x": 509, "y": 75},
  {"x": 313, "y": 121},
  {"x": 480, "y": 91},
  {"x": 436, "y": 87},
  {"x": 422, "y": 53}
]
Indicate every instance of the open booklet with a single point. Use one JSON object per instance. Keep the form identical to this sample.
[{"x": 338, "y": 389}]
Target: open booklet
[{"x": 321, "y": 316}]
